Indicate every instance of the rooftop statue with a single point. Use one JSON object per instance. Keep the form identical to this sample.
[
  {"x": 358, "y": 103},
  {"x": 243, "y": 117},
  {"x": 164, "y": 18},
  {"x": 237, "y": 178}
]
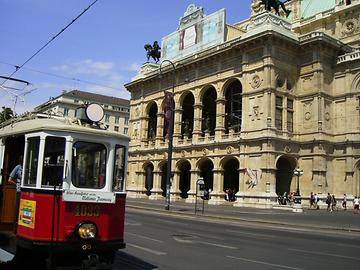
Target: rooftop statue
[
  {"x": 275, "y": 4},
  {"x": 153, "y": 51}
]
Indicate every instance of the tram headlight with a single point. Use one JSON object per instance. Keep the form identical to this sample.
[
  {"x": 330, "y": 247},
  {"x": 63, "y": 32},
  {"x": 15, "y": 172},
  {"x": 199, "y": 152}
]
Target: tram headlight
[{"x": 87, "y": 230}]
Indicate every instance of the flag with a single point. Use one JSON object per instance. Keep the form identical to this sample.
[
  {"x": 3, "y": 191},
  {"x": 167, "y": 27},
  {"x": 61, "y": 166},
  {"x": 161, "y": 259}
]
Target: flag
[{"x": 169, "y": 110}]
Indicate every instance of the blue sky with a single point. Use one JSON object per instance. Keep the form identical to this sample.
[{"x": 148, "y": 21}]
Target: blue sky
[{"x": 104, "y": 46}]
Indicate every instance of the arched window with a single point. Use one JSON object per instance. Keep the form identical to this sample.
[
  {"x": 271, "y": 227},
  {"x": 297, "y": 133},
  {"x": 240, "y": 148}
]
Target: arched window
[
  {"x": 152, "y": 122},
  {"x": 187, "y": 123},
  {"x": 233, "y": 107}
]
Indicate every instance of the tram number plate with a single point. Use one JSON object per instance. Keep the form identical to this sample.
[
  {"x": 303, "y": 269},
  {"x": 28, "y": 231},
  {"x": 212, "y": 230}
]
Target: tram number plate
[{"x": 84, "y": 210}]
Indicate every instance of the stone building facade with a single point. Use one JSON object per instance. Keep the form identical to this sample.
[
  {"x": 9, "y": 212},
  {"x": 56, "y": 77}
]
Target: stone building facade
[{"x": 264, "y": 97}]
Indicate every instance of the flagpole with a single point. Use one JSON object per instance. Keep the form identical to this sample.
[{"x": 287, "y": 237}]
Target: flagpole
[{"x": 169, "y": 116}]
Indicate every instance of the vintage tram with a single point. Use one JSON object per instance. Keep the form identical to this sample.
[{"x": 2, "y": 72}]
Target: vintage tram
[{"x": 72, "y": 199}]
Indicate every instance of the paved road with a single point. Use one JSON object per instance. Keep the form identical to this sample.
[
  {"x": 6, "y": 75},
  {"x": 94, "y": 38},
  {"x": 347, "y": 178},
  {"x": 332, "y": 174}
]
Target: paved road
[
  {"x": 316, "y": 219},
  {"x": 165, "y": 242}
]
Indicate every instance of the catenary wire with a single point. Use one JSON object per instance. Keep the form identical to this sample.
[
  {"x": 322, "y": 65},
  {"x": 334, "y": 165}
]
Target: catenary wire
[
  {"x": 61, "y": 76},
  {"x": 17, "y": 68}
]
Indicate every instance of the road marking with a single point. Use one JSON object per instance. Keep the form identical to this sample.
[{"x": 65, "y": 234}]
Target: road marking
[
  {"x": 145, "y": 237},
  {"x": 216, "y": 245},
  {"x": 265, "y": 263},
  {"x": 152, "y": 251},
  {"x": 5, "y": 256},
  {"x": 251, "y": 234},
  {"x": 324, "y": 254}
]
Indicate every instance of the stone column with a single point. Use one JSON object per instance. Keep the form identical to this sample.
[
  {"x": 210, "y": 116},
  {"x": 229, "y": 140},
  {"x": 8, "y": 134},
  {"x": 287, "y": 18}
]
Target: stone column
[
  {"x": 175, "y": 191},
  {"x": 192, "y": 192},
  {"x": 177, "y": 125},
  {"x": 159, "y": 129},
  {"x": 138, "y": 189},
  {"x": 217, "y": 195},
  {"x": 156, "y": 190},
  {"x": 143, "y": 130},
  {"x": 220, "y": 118},
  {"x": 197, "y": 121}
]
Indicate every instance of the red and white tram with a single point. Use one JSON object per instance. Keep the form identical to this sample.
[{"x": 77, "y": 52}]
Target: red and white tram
[{"x": 72, "y": 199}]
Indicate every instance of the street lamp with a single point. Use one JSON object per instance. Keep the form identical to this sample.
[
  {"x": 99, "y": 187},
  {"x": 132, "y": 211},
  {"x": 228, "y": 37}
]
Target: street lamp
[
  {"x": 169, "y": 116},
  {"x": 298, "y": 172}
]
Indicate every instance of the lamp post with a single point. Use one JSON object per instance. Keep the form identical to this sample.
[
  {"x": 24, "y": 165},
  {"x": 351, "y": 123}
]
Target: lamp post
[
  {"x": 298, "y": 172},
  {"x": 169, "y": 115}
]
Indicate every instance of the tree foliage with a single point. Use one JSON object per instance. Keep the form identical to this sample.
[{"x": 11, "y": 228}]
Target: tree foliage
[{"x": 6, "y": 114}]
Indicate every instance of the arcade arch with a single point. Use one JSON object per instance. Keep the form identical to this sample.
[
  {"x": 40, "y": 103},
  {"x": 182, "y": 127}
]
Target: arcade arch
[{"x": 285, "y": 166}]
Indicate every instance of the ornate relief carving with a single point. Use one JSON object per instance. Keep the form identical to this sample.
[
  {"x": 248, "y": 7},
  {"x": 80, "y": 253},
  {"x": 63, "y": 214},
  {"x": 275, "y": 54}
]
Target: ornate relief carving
[
  {"x": 256, "y": 81},
  {"x": 205, "y": 151},
  {"x": 229, "y": 149},
  {"x": 287, "y": 149},
  {"x": 350, "y": 26},
  {"x": 307, "y": 110}
]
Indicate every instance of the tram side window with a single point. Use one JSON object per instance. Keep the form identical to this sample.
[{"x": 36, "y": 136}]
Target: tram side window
[
  {"x": 119, "y": 168},
  {"x": 89, "y": 165},
  {"x": 53, "y": 166},
  {"x": 32, "y": 158}
]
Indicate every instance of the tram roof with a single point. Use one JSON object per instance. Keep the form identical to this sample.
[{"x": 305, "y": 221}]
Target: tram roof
[{"x": 41, "y": 123}]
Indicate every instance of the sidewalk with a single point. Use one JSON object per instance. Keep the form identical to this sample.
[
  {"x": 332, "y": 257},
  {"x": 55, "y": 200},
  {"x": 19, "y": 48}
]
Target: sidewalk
[{"x": 340, "y": 220}]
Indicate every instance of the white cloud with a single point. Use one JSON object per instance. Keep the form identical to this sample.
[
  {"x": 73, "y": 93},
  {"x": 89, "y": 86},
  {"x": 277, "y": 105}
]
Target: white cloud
[{"x": 87, "y": 67}]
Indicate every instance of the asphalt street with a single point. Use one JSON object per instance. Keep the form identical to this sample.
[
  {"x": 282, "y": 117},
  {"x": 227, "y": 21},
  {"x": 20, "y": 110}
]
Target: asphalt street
[{"x": 161, "y": 241}]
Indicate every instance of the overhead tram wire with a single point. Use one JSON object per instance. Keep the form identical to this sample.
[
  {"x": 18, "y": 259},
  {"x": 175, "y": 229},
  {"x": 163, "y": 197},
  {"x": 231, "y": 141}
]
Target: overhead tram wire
[
  {"x": 61, "y": 76},
  {"x": 17, "y": 68}
]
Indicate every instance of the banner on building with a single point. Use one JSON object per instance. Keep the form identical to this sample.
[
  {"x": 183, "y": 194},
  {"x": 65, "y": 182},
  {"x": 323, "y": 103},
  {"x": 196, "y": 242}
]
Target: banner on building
[{"x": 169, "y": 111}]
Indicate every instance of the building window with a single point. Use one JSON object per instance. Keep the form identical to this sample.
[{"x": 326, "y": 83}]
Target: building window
[
  {"x": 126, "y": 131},
  {"x": 117, "y": 118},
  {"x": 279, "y": 113},
  {"x": 290, "y": 115},
  {"x": 107, "y": 118},
  {"x": 116, "y": 128},
  {"x": 66, "y": 111},
  {"x": 126, "y": 120}
]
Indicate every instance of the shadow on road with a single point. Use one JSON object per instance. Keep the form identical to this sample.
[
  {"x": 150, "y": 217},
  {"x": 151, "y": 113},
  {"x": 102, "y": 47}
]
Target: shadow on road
[{"x": 124, "y": 261}]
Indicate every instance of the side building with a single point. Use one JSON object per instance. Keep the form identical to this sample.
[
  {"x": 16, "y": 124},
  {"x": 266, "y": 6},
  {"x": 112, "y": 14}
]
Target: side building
[
  {"x": 117, "y": 110},
  {"x": 254, "y": 101}
]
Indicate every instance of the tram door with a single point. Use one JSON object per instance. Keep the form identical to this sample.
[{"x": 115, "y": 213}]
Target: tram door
[{"x": 14, "y": 149}]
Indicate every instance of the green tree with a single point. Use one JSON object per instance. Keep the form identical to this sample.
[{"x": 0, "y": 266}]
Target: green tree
[{"x": 6, "y": 114}]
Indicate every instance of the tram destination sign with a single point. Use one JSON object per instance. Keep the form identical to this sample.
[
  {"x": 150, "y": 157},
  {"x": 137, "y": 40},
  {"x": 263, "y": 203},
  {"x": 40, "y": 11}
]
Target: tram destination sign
[{"x": 88, "y": 196}]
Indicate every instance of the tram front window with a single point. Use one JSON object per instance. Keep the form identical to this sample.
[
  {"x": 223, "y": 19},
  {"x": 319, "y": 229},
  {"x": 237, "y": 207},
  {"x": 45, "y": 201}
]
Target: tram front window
[
  {"x": 32, "y": 158},
  {"x": 53, "y": 166},
  {"x": 89, "y": 165},
  {"x": 119, "y": 166}
]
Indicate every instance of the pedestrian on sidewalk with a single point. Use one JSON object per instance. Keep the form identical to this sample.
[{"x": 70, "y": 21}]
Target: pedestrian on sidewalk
[
  {"x": 344, "y": 202},
  {"x": 333, "y": 202},
  {"x": 328, "y": 202},
  {"x": 356, "y": 205},
  {"x": 312, "y": 200},
  {"x": 316, "y": 200}
]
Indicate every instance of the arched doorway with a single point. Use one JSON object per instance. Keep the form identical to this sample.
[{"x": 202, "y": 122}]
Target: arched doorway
[
  {"x": 187, "y": 115},
  {"x": 233, "y": 107},
  {"x": 231, "y": 176},
  {"x": 357, "y": 179},
  {"x": 206, "y": 172},
  {"x": 149, "y": 178},
  {"x": 209, "y": 111},
  {"x": 185, "y": 178},
  {"x": 284, "y": 174}
]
